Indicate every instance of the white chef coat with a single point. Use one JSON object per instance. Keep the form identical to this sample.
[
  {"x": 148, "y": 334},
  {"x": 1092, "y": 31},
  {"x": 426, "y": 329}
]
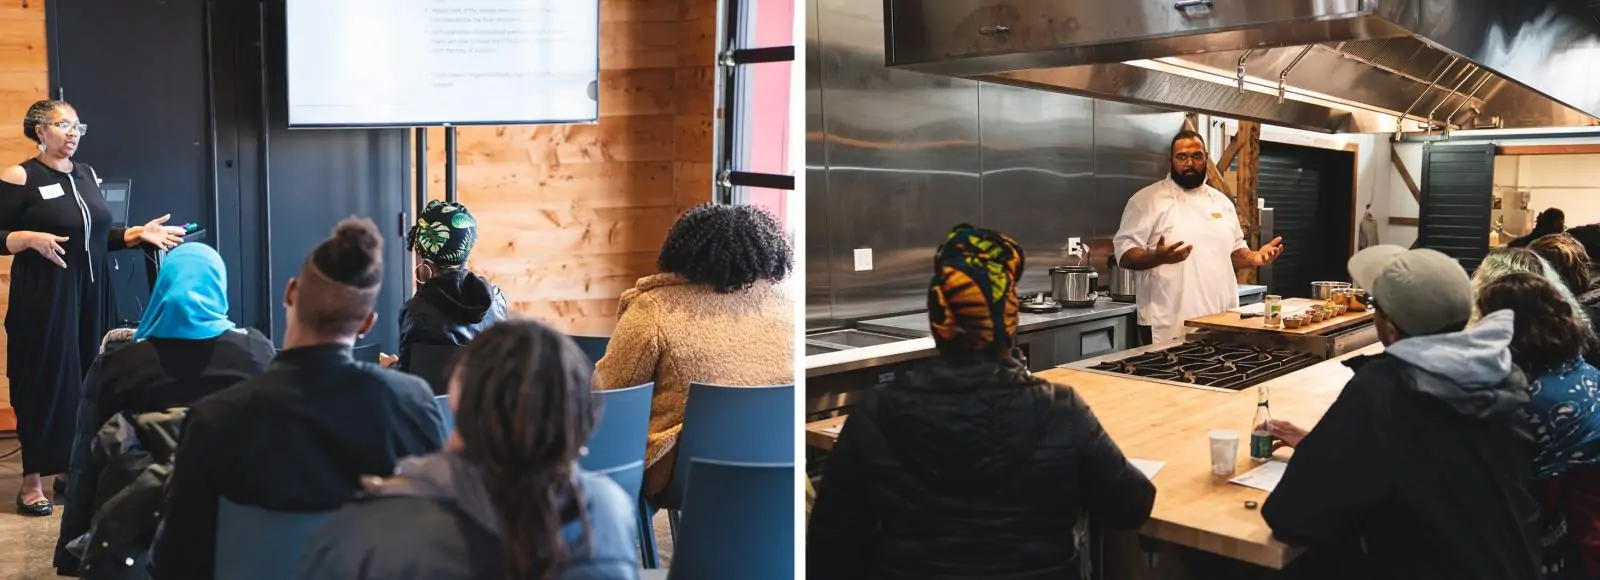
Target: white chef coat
[{"x": 1204, "y": 283}]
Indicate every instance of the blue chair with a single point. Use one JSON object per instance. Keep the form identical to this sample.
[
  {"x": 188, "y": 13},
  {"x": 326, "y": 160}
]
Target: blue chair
[
  {"x": 738, "y": 522},
  {"x": 619, "y": 440},
  {"x": 443, "y": 402},
  {"x": 259, "y": 544},
  {"x": 737, "y": 424},
  {"x": 594, "y": 346}
]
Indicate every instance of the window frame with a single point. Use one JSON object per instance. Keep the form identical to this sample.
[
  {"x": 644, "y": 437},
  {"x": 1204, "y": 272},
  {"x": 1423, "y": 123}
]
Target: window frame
[{"x": 732, "y": 61}]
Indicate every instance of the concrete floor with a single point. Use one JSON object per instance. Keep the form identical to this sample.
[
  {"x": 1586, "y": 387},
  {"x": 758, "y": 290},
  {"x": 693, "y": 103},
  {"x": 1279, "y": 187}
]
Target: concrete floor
[{"x": 27, "y": 544}]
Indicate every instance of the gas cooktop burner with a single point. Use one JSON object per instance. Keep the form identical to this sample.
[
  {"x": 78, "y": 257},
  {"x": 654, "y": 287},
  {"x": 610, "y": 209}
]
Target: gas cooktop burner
[{"x": 1206, "y": 364}]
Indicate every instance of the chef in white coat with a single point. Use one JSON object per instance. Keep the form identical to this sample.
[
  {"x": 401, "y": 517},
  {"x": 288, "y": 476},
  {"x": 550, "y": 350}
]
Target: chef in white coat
[{"x": 1183, "y": 237}]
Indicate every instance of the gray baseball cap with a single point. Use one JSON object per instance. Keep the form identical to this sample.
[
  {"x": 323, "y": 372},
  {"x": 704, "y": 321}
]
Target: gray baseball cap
[{"x": 1421, "y": 291}]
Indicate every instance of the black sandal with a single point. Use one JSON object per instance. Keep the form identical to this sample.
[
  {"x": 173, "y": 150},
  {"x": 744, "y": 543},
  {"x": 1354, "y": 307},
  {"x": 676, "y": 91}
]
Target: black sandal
[{"x": 36, "y": 509}]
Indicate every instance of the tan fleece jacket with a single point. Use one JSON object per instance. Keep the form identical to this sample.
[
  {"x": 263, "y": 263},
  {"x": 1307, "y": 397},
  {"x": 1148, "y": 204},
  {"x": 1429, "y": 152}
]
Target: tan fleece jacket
[{"x": 673, "y": 333}]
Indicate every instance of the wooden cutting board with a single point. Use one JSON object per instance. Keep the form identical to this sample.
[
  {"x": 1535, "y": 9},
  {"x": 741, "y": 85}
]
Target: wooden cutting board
[{"x": 1230, "y": 321}]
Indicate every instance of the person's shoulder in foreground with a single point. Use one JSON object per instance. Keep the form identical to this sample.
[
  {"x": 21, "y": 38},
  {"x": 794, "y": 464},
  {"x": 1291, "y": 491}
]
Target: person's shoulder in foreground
[{"x": 455, "y": 534}]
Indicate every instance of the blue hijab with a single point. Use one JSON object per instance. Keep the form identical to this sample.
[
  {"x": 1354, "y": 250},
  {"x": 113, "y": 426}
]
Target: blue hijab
[{"x": 190, "y": 300}]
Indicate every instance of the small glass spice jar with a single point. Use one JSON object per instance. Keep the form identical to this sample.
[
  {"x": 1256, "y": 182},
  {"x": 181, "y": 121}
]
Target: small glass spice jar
[{"x": 1272, "y": 313}]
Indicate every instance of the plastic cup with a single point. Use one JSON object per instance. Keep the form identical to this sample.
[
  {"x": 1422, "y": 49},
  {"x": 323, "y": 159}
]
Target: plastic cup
[{"x": 1224, "y": 451}]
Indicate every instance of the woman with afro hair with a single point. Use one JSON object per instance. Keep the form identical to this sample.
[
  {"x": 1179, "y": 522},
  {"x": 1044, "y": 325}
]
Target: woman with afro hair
[{"x": 714, "y": 314}]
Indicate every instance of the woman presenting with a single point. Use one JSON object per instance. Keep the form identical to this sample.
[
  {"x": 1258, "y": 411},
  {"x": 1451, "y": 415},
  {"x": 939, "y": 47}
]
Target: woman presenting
[{"x": 55, "y": 222}]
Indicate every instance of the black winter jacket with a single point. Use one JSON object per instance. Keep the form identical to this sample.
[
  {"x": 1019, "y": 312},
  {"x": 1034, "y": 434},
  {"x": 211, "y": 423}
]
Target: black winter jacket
[
  {"x": 449, "y": 309},
  {"x": 1420, "y": 469},
  {"x": 968, "y": 470},
  {"x": 135, "y": 455},
  {"x": 146, "y": 377}
]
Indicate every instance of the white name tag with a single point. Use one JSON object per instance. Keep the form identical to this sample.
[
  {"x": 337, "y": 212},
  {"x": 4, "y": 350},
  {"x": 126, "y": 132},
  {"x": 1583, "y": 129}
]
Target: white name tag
[{"x": 51, "y": 191}]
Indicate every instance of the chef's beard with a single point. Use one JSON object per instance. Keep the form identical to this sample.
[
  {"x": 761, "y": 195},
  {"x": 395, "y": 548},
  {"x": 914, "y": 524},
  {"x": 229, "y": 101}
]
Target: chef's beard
[{"x": 1188, "y": 180}]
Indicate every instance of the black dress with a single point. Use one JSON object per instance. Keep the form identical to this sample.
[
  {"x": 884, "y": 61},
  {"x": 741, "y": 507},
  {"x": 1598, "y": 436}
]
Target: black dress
[{"x": 57, "y": 315}]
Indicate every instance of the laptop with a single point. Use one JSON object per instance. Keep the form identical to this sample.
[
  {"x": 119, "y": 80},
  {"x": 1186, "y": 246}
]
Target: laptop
[{"x": 118, "y": 194}]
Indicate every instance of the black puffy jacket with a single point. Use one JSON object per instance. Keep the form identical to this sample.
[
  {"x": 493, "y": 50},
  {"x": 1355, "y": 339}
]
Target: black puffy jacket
[
  {"x": 968, "y": 470},
  {"x": 449, "y": 309}
]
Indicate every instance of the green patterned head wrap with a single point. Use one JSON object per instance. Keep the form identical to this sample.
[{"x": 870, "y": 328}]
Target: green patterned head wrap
[
  {"x": 972, "y": 301},
  {"x": 444, "y": 234}
]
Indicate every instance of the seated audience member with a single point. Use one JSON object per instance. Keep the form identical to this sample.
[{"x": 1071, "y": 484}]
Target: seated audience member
[
  {"x": 452, "y": 304},
  {"x": 1572, "y": 262},
  {"x": 1588, "y": 236},
  {"x": 1519, "y": 260},
  {"x": 969, "y": 467},
  {"x": 185, "y": 348},
  {"x": 1550, "y": 221},
  {"x": 1565, "y": 413},
  {"x": 301, "y": 435},
  {"x": 1421, "y": 467},
  {"x": 506, "y": 498},
  {"x": 1526, "y": 260},
  {"x": 715, "y": 314}
]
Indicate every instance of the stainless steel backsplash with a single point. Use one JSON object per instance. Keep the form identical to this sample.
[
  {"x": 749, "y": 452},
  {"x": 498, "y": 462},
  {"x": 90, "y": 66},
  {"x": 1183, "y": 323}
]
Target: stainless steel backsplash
[{"x": 895, "y": 158}]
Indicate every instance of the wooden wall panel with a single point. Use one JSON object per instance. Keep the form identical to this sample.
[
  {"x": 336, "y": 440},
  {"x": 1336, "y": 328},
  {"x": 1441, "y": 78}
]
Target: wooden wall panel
[
  {"x": 24, "y": 78},
  {"x": 569, "y": 216}
]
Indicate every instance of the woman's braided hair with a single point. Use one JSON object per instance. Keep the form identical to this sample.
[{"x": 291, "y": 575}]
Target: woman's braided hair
[
  {"x": 524, "y": 413},
  {"x": 38, "y": 114},
  {"x": 729, "y": 247}
]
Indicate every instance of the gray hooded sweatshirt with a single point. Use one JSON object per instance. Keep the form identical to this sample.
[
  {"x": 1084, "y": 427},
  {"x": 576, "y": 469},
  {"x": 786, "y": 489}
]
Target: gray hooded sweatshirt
[{"x": 436, "y": 521}]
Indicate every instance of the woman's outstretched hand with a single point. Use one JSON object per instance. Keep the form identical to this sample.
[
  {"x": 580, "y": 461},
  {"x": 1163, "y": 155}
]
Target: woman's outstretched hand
[{"x": 160, "y": 236}]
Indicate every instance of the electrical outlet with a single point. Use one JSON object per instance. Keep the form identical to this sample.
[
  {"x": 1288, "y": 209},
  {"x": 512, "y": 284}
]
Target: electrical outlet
[
  {"x": 863, "y": 259},
  {"x": 1072, "y": 246}
]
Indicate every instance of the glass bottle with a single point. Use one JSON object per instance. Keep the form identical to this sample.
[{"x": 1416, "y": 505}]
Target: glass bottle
[
  {"x": 1272, "y": 311},
  {"x": 1260, "y": 436}
]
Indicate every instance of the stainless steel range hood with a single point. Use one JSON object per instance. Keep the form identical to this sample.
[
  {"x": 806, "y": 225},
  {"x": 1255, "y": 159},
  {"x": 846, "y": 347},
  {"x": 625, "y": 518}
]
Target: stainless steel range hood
[{"x": 1334, "y": 66}]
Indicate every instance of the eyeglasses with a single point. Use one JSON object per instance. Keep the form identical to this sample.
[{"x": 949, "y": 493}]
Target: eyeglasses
[
  {"x": 1187, "y": 157},
  {"x": 66, "y": 127}
]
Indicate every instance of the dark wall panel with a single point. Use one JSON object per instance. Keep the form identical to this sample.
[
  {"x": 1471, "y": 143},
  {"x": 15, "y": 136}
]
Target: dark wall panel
[
  {"x": 1457, "y": 195},
  {"x": 186, "y": 97},
  {"x": 1308, "y": 190},
  {"x": 135, "y": 71}
]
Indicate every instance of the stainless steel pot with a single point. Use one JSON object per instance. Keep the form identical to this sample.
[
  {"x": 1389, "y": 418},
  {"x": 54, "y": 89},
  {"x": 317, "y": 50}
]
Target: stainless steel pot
[
  {"x": 1124, "y": 283},
  {"x": 1324, "y": 290},
  {"x": 1074, "y": 286}
]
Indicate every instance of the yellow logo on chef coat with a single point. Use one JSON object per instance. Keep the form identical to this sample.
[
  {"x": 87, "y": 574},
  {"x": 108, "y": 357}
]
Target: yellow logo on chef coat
[{"x": 1216, "y": 215}]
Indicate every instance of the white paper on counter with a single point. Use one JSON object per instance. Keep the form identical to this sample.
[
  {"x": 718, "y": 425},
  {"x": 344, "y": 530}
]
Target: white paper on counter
[
  {"x": 1149, "y": 467},
  {"x": 834, "y": 429},
  {"x": 1264, "y": 478}
]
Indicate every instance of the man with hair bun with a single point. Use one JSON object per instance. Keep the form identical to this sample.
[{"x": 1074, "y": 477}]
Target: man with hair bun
[{"x": 303, "y": 434}]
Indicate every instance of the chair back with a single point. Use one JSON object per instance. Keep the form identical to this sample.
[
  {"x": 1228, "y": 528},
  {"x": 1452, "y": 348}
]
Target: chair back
[
  {"x": 259, "y": 544},
  {"x": 594, "y": 346},
  {"x": 619, "y": 438},
  {"x": 431, "y": 362},
  {"x": 443, "y": 403},
  {"x": 629, "y": 477},
  {"x": 732, "y": 424},
  {"x": 738, "y": 522}
]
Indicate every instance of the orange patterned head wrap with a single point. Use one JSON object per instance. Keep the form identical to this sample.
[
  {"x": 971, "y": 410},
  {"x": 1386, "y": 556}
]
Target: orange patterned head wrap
[{"x": 973, "y": 300}]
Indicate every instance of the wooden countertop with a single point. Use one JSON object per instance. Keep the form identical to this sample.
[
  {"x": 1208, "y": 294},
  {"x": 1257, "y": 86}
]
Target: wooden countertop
[
  {"x": 1230, "y": 321},
  {"x": 1169, "y": 423}
]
